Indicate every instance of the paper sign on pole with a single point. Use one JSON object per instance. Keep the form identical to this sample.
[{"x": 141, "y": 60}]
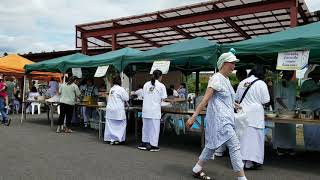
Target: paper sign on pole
[
  {"x": 101, "y": 71},
  {"x": 163, "y": 66},
  {"x": 77, "y": 72},
  {"x": 295, "y": 60}
]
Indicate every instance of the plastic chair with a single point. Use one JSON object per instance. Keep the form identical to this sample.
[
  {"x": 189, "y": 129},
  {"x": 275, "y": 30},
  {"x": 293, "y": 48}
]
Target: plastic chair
[
  {"x": 33, "y": 104},
  {"x": 58, "y": 108}
]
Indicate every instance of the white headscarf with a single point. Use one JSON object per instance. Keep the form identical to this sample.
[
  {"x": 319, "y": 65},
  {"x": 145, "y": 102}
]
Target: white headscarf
[{"x": 226, "y": 57}]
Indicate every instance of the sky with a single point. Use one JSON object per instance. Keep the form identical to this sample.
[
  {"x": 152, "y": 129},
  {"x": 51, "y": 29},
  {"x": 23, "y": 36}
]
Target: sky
[{"x": 47, "y": 25}]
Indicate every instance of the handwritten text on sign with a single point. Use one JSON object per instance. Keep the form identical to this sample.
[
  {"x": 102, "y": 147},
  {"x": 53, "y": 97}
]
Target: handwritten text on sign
[
  {"x": 163, "y": 66},
  {"x": 101, "y": 71},
  {"x": 295, "y": 60}
]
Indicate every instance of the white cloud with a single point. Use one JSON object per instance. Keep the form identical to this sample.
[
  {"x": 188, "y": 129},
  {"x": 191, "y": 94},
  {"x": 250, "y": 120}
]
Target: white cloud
[
  {"x": 313, "y": 5},
  {"x": 46, "y": 25}
]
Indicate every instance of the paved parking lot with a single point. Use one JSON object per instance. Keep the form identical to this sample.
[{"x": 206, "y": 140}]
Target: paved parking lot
[{"x": 34, "y": 151}]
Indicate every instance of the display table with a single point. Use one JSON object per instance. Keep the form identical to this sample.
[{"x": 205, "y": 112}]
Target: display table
[
  {"x": 49, "y": 105},
  {"x": 293, "y": 120},
  {"x": 164, "y": 111}
]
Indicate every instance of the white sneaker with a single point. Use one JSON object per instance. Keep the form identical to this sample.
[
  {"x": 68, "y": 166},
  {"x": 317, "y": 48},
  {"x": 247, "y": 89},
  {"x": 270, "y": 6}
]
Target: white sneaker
[
  {"x": 218, "y": 154},
  {"x": 213, "y": 157}
]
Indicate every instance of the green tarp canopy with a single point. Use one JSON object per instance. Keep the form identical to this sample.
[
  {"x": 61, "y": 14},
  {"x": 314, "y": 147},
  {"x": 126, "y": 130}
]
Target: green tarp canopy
[
  {"x": 266, "y": 47},
  {"x": 190, "y": 55},
  {"x": 110, "y": 58},
  {"x": 54, "y": 65},
  {"x": 78, "y": 60}
]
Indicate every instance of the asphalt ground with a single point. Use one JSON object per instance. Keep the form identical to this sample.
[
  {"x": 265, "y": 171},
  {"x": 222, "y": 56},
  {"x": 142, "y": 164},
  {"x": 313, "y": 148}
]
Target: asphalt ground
[{"x": 33, "y": 150}]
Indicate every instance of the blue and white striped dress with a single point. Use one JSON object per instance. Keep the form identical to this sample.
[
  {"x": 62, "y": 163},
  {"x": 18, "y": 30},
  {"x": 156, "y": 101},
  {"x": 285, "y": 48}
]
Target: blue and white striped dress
[{"x": 220, "y": 112}]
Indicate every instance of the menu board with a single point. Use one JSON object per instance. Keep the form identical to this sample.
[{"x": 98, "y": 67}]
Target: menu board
[
  {"x": 163, "y": 66},
  {"x": 101, "y": 71},
  {"x": 77, "y": 72},
  {"x": 294, "y": 60}
]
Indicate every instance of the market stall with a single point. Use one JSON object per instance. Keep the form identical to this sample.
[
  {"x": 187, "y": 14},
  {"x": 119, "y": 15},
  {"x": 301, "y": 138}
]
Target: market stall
[{"x": 296, "y": 49}]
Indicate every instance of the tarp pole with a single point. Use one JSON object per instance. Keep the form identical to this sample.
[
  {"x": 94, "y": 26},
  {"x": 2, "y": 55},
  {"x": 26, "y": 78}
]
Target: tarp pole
[
  {"x": 197, "y": 83},
  {"x": 64, "y": 78},
  {"x": 23, "y": 99}
]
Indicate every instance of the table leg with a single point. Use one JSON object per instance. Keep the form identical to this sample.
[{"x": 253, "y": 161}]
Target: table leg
[
  {"x": 51, "y": 114},
  {"x": 202, "y": 132},
  {"x": 25, "y": 112},
  {"x": 136, "y": 125},
  {"x": 48, "y": 111},
  {"x": 100, "y": 123}
]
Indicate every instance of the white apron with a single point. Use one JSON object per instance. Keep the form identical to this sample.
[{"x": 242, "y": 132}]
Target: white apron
[
  {"x": 150, "y": 131},
  {"x": 115, "y": 130}
]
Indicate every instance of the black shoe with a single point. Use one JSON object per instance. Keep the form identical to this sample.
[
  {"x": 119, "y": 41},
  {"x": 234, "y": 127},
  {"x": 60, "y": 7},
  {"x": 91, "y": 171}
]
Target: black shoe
[
  {"x": 154, "y": 149},
  {"x": 8, "y": 122},
  {"x": 143, "y": 146}
]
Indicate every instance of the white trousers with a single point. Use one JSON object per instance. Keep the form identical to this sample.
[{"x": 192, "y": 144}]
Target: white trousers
[
  {"x": 150, "y": 131},
  {"x": 115, "y": 130}
]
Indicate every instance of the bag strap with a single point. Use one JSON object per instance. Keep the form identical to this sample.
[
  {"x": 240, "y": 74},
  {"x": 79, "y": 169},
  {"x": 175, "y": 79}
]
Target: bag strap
[{"x": 245, "y": 92}]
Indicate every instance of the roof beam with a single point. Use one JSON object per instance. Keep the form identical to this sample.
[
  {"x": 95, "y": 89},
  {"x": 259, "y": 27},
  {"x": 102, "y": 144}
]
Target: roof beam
[
  {"x": 187, "y": 19},
  {"x": 175, "y": 28},
  {"x": 83, "y": 32},
  {"x": 302, "y": 14},
  {"x": 232, "y": 23},
  {"x": 108, "y": 41},
  {"x": 138, "y": 36}
]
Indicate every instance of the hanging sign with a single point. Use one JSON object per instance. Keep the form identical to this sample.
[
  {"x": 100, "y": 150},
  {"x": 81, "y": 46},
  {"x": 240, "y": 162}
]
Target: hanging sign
[
  {"x": 101, "y": 71},
  {"x": 294, "y": 60},
  {"x": 163, "y": 66},
  {"x": 77, "y": 72}
]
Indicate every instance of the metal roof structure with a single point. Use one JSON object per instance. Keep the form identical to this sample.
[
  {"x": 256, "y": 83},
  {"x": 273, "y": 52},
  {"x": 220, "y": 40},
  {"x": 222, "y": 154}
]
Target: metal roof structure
[{"x": 223, "y": 21}]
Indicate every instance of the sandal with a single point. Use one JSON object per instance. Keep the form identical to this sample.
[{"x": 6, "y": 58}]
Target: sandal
[{"x": 200, "y": 175}]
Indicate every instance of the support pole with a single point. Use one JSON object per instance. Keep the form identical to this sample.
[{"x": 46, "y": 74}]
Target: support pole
[
  {"x": 84, "y": 45},
  {"x": 197, "y": 83},
  {"x": 114, "y": 42},
  {"x": 23, "y": 100},
  {"x": 293, "y": 13}
]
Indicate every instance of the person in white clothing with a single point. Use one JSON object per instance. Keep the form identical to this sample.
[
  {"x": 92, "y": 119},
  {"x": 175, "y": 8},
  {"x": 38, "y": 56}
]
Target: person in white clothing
[
  {"x": 139, "y": 92},
  {"x": 153, "y": 93},
  {"x": 284, "y": 136},
  {"x": 116, "y": 123},
  {"x": 310, "y": 94},
  {"x": 219, "y": 130},
  {"x": 252, "y": 140}
]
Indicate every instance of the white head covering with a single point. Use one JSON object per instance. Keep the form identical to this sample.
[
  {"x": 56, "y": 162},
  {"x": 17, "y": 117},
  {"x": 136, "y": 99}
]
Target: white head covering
[{"x": 226, "y": 57}]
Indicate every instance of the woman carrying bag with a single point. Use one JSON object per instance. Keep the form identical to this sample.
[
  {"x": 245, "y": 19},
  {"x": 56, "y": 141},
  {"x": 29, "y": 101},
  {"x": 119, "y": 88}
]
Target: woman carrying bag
[
  {"x": 219, "y": 130},
  {"x": 257, "y": 94}
]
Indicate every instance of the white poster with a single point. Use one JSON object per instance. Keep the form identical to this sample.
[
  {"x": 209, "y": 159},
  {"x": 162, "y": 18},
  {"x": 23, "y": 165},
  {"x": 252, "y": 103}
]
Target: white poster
[
  {"x": 163, "y": 66},
  {"x": 295, "y": 60},
  {"x": 77, "y": 72},
  {"x": 101, "y": 71}
]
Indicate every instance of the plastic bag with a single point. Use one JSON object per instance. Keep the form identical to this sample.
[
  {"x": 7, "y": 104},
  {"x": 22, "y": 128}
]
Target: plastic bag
[{"x": 241, "y": 122}]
